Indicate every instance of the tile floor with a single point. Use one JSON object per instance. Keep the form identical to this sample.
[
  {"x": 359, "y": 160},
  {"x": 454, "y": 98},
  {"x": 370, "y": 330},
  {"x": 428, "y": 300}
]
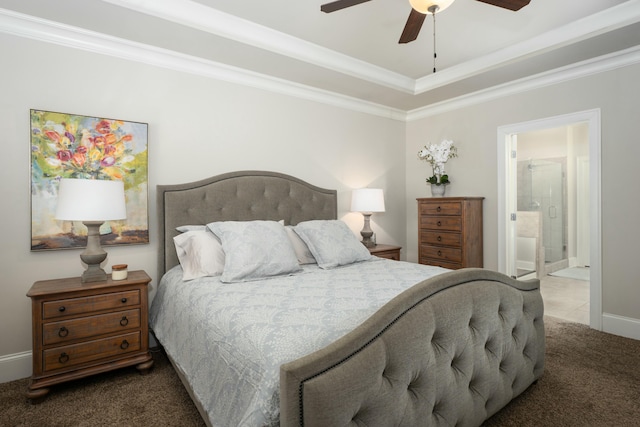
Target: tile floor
[{"x": 566, "y": 299}]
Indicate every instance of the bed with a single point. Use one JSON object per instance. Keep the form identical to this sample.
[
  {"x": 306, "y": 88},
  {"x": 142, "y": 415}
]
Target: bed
[{"x": 368, "y": 341}]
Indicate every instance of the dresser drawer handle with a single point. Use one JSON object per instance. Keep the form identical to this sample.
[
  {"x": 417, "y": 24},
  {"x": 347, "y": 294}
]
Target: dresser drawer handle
[
  {"x": 64, "y": 358},
  {"x": 124, "y": 321},
  {"x": 124, "y": 345},
  {"x": 439, "y": 223},
  {"x": 124, "y": 300},
  {"x": 439, "y": 253},
  {"x": 439, "y": 239},
  {"x": 63, "y": 332},
  {"x": 61, "y": 309},
  {"x": 439, "y": 209}
]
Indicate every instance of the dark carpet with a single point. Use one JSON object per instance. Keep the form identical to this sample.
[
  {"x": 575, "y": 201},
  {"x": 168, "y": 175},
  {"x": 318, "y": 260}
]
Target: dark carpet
[{"x": 591, "y": 379}]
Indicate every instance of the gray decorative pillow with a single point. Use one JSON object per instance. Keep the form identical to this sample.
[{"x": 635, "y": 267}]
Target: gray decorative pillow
[
  {"x": 254, "y": 250},
  {"x": 332, "y": 243}
]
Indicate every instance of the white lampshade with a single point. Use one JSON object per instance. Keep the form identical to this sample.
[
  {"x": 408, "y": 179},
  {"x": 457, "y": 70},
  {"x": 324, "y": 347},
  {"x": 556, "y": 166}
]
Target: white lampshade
[
  {"x": 90, "y": 200},
  {"x": 423, "y": 6},
  {"x": 367, "y": 200}
]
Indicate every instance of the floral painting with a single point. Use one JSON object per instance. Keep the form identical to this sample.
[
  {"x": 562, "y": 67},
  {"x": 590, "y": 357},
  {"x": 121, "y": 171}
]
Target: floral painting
[{"x": 74, "y": 146}]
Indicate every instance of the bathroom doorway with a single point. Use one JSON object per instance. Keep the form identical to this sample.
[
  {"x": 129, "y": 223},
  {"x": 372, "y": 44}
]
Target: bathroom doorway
[
  {"x": 548, "y": 198},
  {"x": 547, "y": 188}
]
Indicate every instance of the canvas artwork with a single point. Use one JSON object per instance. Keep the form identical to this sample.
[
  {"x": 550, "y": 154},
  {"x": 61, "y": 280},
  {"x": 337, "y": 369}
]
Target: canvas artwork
[{"x": 74, "y": 146}]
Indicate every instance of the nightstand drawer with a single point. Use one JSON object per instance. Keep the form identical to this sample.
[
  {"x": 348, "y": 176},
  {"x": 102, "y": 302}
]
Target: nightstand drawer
[
  {"x": 87, "y": 305},
  {"x": 444, "y": 254},
  {"x": 76, "y": 354},
  {"x": 73, "y": 329},
  {"x": 446, "y": 239},
  {"x": 453, "y": 223},
  {"x": 444, "y": 208}
]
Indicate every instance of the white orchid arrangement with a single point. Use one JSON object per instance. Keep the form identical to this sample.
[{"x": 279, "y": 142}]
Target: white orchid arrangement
[{"x": 437, "y": 155}]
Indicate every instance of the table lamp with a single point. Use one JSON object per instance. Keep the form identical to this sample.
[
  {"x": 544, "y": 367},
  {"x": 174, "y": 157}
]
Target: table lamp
[
  {"x": 92, "y": 201},
  {"x": 367, "y": 201}
]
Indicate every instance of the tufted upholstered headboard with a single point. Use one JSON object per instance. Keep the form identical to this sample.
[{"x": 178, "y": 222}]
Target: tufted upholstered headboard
[{"x": 237, "y": 196}]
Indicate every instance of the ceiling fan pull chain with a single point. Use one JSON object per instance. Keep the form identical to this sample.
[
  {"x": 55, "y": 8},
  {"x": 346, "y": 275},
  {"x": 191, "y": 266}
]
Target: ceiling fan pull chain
[{"x": 434, "y": 42}]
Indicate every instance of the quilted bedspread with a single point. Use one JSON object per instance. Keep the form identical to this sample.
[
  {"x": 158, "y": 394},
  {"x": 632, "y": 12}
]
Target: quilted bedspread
[{"x": 229, "y": 339}]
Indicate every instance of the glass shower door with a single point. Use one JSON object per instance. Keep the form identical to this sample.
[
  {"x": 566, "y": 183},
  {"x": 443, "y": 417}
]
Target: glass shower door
[{"x": 541, "y": 188}]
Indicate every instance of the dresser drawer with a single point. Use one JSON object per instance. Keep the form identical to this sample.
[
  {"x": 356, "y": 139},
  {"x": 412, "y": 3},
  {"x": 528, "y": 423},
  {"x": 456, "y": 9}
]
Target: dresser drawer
[
  {"x": 87, "y": 305},
  {"x": 440, "y": 263},
  {"x": 444, "y": 254},
  {"x": 76, "y": 354},
  {"x": 444, "y": 208},
  {"x": 446, "y": 239},
  {"x": 73, "y": 329},
  {"x": 453, "y": 223}
]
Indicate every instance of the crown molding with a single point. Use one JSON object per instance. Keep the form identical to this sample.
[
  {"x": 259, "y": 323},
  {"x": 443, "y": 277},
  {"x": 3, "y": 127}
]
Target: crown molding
[
  {"x": 30, "y": 27},
  {"x": 27, "y": 26},
  {"x": 203, "y": 18},
  {"x": 196, "y": 15},
  {"x": 578, "y": 70},
  {"x": 607, "y": 20}
]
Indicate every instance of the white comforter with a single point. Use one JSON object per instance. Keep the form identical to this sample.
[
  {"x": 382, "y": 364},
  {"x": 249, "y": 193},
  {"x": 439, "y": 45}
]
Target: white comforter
[{"x": 229, "y": 340}]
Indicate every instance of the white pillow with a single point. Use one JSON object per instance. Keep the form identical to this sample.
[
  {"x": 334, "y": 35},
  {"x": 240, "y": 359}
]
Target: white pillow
[
  {"x": 200, "y": 254},
  {"x": 301, "y": 249},
  {"x": 185, "y": 228},
  {"x": 254, "y": 250},
  {"x": 332, "y": 243}
]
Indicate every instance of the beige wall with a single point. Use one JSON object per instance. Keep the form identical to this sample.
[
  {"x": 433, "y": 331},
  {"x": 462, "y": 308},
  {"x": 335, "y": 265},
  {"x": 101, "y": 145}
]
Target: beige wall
[
  {"x": 474, "y": 172},
  {"x": 198, "y": 127}
]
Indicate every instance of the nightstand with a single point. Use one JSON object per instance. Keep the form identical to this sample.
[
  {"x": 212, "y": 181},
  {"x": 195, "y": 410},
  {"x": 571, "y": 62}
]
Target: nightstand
[
  {"x": 386, "y": 251},
  {"x": 81, "y": 329}
]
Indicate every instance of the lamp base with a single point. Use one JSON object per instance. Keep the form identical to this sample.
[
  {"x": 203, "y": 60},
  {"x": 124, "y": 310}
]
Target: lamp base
[
  {"x": 93, "y": 273},
  {"x": 367, "y": 242},
  {"x": 366, "y": 232},
  {"x": 93, "y": 255}
]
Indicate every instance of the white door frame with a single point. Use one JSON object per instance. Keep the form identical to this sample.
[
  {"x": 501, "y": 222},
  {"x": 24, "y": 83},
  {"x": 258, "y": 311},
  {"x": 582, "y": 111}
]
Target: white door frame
[{"x": 506, "y": 190}]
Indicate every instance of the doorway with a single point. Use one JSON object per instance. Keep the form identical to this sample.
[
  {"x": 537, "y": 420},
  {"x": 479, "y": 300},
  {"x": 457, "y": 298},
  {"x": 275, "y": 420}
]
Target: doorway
[{"x": 541, "y": 233}]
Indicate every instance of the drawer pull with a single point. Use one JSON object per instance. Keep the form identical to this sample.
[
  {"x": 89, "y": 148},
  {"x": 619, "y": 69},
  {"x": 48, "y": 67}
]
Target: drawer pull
[
  {"x": 439, "y": 223},
  {"x": 64, "y": 358},
  {"x": 124, "y": 321},
  {"x": 61, "y": 309},
  {"x": 439, "y": 209},
  {"x": 63, "y": 332},
  {"x": 439, "y": 253},
  {"x": 439, "y": 238},
  {"x": 124, "y": 300},
  {"x": 124, "y": 345}
]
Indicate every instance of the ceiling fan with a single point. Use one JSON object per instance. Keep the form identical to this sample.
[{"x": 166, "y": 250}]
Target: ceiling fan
[{"x": 420, "y": 9}]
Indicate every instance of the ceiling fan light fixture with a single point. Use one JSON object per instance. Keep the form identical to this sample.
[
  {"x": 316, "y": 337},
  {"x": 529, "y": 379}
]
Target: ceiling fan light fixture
[{"x": 430, "y": 6}]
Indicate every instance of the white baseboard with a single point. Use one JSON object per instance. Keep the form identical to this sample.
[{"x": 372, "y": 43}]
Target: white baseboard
[
  {"x": 525, "y": 265},
  {"x": 619, "y": 325},
  {"x": 15, "y": 366}
]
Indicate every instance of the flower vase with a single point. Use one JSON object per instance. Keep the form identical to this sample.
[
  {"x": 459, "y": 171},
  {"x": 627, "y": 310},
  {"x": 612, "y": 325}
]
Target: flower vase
[{"x": 437, "y": 190}]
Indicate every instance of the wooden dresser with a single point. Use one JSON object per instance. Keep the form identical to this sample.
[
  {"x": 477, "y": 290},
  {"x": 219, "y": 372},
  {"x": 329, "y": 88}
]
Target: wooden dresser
[
  {"x": 81, "y": 329},
  {"x": 450, "y": 231}
]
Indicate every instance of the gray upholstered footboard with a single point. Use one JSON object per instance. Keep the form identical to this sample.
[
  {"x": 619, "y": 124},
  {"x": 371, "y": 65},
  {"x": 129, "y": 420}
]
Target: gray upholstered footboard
[{"x": 450, "y": 351}]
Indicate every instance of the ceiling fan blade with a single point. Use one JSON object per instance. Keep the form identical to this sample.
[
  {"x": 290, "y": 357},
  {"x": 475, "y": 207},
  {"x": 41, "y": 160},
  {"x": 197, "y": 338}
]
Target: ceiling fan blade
[
  {"x": 508, "y": 4},
  {"x": 412, "y": 27},
  {"x": 340, "y": 4}
]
